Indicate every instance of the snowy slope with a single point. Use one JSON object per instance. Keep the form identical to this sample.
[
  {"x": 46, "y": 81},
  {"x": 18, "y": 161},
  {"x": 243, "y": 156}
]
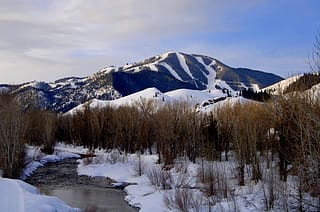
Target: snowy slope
[
  {"x": 315, "y": 92},
  {"x": 280, "y": 86},
  {"x": 171, "y": 70},
  {"x": 212, "y": 72},
  {"x": 183, "y": 64},
  {"x": 204, "y": 101},
  {"x": 230, "y": 101},
  {"x": 130, "y": 100},
  {"x": 192, "y": 97}
]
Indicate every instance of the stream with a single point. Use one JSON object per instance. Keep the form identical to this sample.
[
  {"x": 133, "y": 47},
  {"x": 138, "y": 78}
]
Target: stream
[{"x": 61, "y": 179}]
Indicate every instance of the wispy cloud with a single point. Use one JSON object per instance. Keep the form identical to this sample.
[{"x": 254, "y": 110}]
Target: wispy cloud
[{"x": 48, "y": 39}]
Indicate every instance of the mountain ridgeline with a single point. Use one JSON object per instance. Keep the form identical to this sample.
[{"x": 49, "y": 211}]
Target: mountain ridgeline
[
  {"x": 173, "y": 71},
  {"x": 166, "y": 72}
]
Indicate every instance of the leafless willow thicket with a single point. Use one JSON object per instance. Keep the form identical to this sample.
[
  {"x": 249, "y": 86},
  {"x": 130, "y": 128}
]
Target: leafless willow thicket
[{"x": 12, "y": 133}]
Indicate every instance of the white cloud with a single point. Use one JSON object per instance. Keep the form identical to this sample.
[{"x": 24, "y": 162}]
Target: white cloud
[{"x": 48, "y": 39}]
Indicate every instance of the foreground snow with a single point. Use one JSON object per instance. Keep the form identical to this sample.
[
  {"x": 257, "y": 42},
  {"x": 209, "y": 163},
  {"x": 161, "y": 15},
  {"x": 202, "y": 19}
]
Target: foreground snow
[{"x": 18, "y": 196}]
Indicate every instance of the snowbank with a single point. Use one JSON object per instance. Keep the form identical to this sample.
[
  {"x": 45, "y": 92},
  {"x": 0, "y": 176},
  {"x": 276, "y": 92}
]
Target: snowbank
[
  {"x": 37, "y": 159},
  {"x": 142, "y": 194},
  {"x": 18, "y": 196}
]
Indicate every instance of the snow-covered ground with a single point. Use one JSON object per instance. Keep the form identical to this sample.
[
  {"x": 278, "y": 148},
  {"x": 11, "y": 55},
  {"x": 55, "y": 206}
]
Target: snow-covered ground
[
  {"x": 18, "y": 196},
  {"x": 183, "y": 179},
  {"x": 124, "y": 169},
  {"x": 157, "y": 189},
  {"x": 142, "y": 193}
]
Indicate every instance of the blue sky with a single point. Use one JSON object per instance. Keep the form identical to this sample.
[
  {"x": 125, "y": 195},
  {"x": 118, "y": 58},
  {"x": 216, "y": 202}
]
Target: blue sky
[{"x": 50, "y": 39}]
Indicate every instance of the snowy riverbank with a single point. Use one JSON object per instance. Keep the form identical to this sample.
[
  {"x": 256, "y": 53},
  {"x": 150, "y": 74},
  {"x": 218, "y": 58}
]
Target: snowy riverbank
[
  {"x": 158, "y": 188},
  {"x": 18, "y": 196}
]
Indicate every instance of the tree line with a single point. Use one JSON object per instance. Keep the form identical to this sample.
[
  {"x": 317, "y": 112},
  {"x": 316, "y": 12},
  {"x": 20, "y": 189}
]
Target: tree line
[{"x": 288, "y": 129}]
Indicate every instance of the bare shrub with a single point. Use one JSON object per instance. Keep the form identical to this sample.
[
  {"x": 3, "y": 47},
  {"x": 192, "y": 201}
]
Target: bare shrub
[
  {"x": 49, "y": 132},
  {"x": 92, "y": 208},
  {"x": 117, "y": 157},
  {"x": 250, "y": 127},
  {"x": 299, "y": 194},
  {"x": 299, "y": 151},
  {"x": 181, "y": 180},
  {"x": 42, "y": 128},
  {"x": 314, "y": 60},
  {"x": 181, "y": 165},
  {"x": 12, "y": 133},
  {"x": 233, "y": 205},
  {"x": 270, "y": 191},
  {"x": 113, "y": 157},
  {"x": 139, "y": 165},
  {"x": 182, "y": 200},
  {"x": 88, "y": 160},
  {"x": 161, "y": 179},
  {"x": 215, "y": 180}
]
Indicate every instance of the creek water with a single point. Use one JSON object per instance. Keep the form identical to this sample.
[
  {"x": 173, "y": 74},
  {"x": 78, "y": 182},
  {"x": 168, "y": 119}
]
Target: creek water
[{"x": 61, "y": 179}]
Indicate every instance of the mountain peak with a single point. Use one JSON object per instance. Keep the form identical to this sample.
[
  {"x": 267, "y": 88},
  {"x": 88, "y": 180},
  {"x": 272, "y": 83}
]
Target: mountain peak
[{"x": 166, "y": 72}]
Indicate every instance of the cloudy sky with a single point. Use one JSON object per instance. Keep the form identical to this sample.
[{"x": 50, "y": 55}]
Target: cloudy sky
[{"x": 50, "y": 39}]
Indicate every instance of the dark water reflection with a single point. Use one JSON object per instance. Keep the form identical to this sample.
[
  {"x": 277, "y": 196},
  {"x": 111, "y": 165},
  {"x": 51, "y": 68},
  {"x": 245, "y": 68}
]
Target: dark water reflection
[
  {"x": 103, "y": 199},
  {"x": 61, "y": 180}
]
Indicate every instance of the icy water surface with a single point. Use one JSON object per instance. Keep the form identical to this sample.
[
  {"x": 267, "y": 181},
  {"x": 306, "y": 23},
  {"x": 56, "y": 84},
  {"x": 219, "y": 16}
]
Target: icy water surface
[{"x": 60, "y": 179}]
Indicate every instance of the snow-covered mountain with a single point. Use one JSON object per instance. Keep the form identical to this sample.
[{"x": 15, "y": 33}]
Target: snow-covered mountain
[
  {"x": 172, "y": 71},
  {"x": 166, "y": 72}
]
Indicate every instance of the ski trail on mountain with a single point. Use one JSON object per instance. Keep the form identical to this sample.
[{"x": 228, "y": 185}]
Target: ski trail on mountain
[
  {"x": 212, "y": 73},
  {"x": 171, "y": 70},
  {"x": 184, "y": 65}
]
